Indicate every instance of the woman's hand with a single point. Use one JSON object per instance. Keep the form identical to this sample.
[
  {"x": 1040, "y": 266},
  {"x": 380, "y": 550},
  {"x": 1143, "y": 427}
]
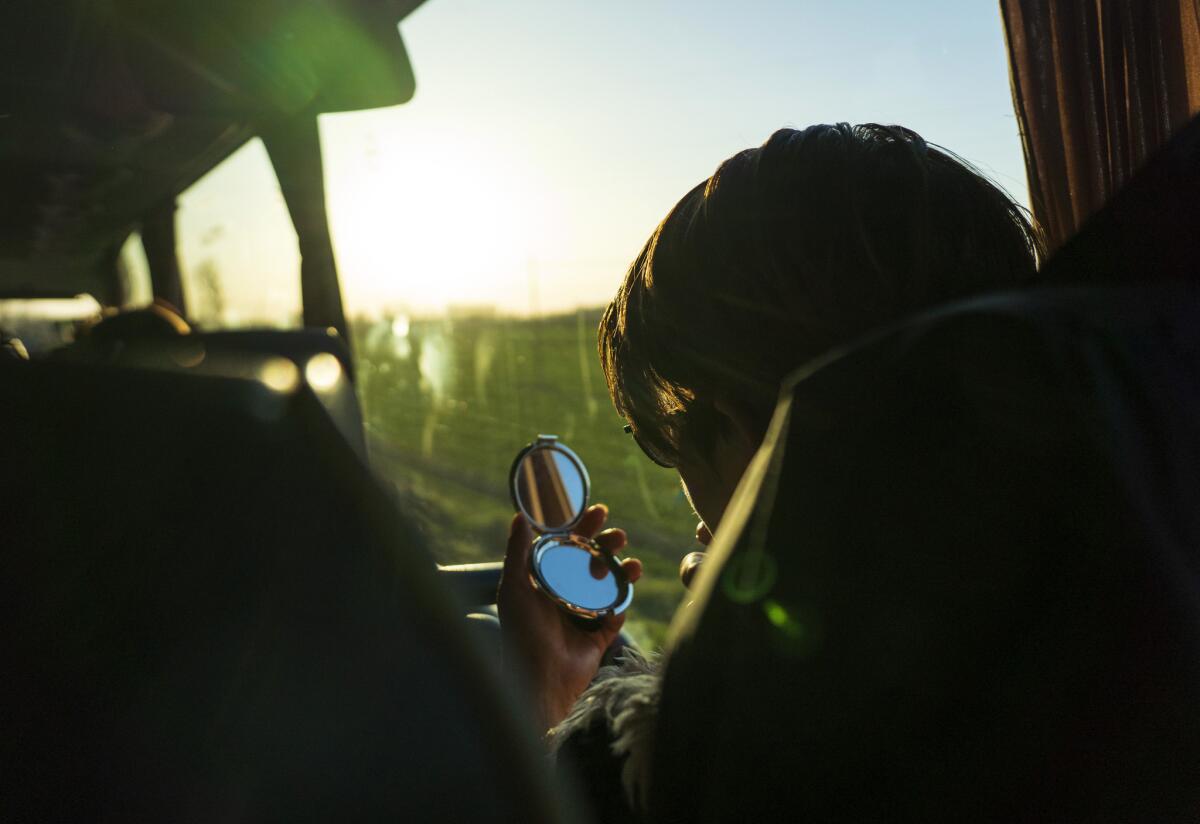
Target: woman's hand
[{"x": 551, "y": 649}]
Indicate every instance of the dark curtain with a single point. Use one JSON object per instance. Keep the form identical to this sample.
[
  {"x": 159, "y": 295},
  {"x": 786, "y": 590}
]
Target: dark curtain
[{"x": 1098, "y": 85}]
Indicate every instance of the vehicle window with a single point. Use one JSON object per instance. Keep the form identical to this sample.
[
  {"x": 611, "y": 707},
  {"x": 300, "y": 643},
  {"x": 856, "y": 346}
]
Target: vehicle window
[
  {"x": 449, "y": 401},
  {"x": 237, "y": 248},
  {"x": 480, "y": 229},
  {"x": 44, "y": 325},
  {"x": 134, "y": 272}
]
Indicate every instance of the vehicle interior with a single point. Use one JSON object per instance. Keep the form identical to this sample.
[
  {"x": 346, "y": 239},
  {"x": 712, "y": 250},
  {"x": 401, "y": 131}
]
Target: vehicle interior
[{"x": 217, "y": 606}]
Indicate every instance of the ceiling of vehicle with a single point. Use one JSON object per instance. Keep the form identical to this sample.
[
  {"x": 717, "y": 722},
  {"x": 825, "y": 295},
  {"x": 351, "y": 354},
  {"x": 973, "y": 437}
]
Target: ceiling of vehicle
[{"x": 111, "y": 108}]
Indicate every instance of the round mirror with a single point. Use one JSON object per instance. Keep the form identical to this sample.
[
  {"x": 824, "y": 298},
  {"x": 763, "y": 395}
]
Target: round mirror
[
  {"x": 550, "y": 486},
  {"x": 580, "y": 576}
]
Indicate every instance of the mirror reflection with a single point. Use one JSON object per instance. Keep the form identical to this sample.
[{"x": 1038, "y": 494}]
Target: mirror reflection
[
  {"x": 550, "y": 488},
  {"x": 578, "y": 576},
  {"x": 549, "y": 485}
]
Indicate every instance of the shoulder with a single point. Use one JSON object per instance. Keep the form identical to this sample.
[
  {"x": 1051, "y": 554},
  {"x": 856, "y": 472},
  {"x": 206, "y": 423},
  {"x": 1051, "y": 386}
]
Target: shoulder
[{"x": 608, "y": 735}]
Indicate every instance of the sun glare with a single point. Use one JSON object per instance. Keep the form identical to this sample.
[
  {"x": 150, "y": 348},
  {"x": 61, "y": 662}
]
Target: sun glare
[{"x": 435, "y": 218}]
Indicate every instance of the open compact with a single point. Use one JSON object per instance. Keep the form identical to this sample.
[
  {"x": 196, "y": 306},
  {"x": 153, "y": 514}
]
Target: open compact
[{"x": 550, "y": 486}]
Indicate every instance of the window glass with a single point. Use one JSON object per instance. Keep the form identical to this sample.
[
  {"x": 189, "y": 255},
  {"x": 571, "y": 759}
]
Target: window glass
[
  {"x": 237, "y": 249},
  {"x": 134, "y": 272},
  {"x": 450, "y": 401},
  {"x": 45, "y": 324},
  {"x": 480, "y": 229}
]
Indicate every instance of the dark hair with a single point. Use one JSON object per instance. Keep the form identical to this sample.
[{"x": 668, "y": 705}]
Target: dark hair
[{"x": 788, "y": 250}]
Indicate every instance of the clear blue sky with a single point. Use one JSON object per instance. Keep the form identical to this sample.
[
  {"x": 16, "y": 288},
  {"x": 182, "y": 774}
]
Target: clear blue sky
[{"x": 548, "y": 137}]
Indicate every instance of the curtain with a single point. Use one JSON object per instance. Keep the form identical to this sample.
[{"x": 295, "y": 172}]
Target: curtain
[{"x": 1098, "y": 85}]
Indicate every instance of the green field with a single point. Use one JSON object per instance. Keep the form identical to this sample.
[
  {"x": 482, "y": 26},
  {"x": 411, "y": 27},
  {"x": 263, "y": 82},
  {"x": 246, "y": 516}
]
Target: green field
[{"x": 449, "y": 402}]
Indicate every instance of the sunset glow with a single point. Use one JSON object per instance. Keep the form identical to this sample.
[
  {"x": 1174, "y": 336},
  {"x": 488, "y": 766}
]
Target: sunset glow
[{"x": 547, "y": 140}]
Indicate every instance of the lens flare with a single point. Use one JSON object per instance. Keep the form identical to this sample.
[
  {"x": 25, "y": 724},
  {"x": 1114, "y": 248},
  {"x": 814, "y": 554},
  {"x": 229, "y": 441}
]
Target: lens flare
[
  {"x": 323, "y": 372},
  {"x": 280, "y": 374}
]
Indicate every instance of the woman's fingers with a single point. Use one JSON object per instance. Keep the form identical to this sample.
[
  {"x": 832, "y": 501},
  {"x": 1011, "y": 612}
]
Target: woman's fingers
[
  {"x": 591, "y": 522},
  {"x": 597, "y": 567},
  {"x": 633, "y": 569},
  {"x": 612, "y": 540},
  {"x": 516, "y": 553},
  {"x": 631, "y": 566},
  {"x": 612, "y": 625}
]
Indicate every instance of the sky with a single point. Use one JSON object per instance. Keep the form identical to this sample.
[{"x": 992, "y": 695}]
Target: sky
[{"x": 548, "y": 138}]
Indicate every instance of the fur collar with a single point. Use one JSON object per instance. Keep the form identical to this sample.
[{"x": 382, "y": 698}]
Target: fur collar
[{"x": 624, "y": 699}]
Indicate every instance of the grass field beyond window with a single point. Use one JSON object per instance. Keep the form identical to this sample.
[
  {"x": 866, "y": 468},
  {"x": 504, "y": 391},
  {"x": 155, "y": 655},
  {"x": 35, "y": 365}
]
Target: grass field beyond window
[{"x": 449, "y": 402}]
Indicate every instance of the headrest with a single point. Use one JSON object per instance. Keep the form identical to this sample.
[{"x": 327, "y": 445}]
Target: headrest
[
  {"x": 317, "y": 360},
  {"x": 960, "y": 581}
]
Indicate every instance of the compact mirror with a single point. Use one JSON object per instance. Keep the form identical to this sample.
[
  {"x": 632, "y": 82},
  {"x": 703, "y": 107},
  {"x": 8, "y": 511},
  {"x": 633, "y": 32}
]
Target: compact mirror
[{"x": 550, "y": 486}]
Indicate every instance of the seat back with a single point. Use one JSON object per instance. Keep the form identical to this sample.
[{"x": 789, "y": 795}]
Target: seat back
[
  {"x": 961, "y": 580},
  {"x": 309, "y": 350},
  {"x": 321, "y": 361},
  {"x": 211, "y": 611}
]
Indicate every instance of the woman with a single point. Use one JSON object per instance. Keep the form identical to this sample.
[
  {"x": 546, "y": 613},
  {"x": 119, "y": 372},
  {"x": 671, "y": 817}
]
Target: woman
[{"x": 790, "y": 249}]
